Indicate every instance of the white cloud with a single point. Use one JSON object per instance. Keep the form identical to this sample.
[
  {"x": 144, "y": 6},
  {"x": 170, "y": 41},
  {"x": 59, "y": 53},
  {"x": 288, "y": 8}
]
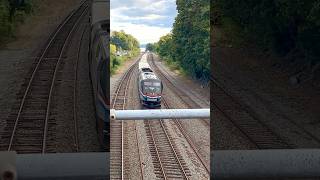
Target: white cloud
[
  {"x": 117, "y": 15},
  {"x": 146, "y": 20}
]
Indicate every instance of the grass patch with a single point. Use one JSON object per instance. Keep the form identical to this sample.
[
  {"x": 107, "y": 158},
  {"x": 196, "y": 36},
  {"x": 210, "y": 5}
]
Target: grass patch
[{"x": 174, "y": 66}]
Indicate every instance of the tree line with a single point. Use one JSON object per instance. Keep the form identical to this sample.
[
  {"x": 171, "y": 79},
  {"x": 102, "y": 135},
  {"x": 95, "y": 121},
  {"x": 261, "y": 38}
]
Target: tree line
[
  {"x": 284, "y": 27},
  {"x": 188, "y": 45},
  {"x": 123, "y": 46}
]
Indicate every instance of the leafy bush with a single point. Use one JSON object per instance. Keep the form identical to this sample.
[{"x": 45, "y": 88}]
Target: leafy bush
[{"x": 120, "y": 42}]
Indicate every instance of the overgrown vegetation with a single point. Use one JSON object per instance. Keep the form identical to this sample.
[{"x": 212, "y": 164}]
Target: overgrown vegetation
[
  {"x": 122, "y": 47},
  {"x": 13, "y": 12},
  {"x": 188, "y": 46},
  {"x": 283, "y": 27}
]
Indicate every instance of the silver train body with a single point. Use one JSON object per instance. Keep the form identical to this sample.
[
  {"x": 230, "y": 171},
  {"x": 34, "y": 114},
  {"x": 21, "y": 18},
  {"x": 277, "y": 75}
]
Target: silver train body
[
  {"x": 149, "y": 85},
  {"x": 99, "y": 66}
]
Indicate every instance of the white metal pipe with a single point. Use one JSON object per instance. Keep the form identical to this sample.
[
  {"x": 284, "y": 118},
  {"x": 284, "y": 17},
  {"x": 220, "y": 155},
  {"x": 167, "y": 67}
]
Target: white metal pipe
[{"x": 159, "y": 114}]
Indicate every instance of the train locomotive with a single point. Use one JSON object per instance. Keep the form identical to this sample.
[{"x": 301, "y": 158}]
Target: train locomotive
[
  {"x": 149, "y": 85},
  {"x": 99, "y": 66}
]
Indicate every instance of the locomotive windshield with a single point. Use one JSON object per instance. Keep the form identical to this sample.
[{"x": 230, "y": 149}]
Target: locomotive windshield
[{"x": 151, "y": 87}]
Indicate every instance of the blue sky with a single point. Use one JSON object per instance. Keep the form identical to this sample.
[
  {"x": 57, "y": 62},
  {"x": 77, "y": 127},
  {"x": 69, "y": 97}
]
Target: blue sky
[{"x": 146, "y": 20}]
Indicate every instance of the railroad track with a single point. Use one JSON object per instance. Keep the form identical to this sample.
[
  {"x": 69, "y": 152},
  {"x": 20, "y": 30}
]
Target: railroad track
[
  {"x": 75, "y": 91},
  {"x": 205, "y": 164},
  {"x": 168, "y": 163},
  {"x": 190, "y": 103},
  {"x": 251, "y": 126},
  {"x": 178, "y": 90},
  {"x": 30, "y": 125},
  {"x": 119, "y": 100}
]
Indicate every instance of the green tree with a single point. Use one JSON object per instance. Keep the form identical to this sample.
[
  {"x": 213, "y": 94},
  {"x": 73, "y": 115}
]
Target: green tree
[
  {"x": 150, "y": 47},
  {"x": 281, "y": 26},
  {"x": 189, "y": 43},
  {"x": 124, "y": 41},
  {"x": 120, "y": 41}
]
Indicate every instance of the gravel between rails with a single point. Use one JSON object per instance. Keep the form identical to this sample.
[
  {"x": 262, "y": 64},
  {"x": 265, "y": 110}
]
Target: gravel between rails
[
  {"x": 197, "y": 131},
  {"x": 85, "y": 112},
  {"x": 133, "y": 167},
  {"x": 88, "y": 138},
  {"x": 290, "y": 112},
  {"x": 17, "y": 57},
  {"x": 196, "y": 91},
  {"x": 134, "y": 155}
]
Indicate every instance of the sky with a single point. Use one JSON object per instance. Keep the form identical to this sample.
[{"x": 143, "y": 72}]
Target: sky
[{"x": 146, "y": 20}]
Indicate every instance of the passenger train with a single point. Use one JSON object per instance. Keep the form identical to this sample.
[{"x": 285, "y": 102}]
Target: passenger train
[
  {"x": 99, "y": 66},
  {"x": 149, "y": 85}
]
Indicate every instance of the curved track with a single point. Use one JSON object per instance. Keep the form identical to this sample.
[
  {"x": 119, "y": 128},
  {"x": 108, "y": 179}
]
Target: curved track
[
  {"x": 28, "y": 128},
  {"x": 75, "y": 92}
]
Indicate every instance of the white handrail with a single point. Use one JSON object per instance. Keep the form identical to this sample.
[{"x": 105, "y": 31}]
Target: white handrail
[{"x": 159, "y": 114}]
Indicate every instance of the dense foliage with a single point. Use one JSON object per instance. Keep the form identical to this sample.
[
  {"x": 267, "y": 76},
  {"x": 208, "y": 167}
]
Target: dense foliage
[
  {"x": 188, "y": 45},
  {"x": 150, "y": 47},
  {"x": 283, "y": 26},
  {"x": 124, "y": 41},
  {"x": 122, "y": 47},
  {"x": 11, "y": 13}
]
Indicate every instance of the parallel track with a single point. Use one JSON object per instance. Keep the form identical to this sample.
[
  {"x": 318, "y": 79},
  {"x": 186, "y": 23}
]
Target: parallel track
[
  {"x": 75, "y": 92},
  {"x": 189, "y": 102},
  {"x": 168, "y": 162},
  {"x": 187, "y": 137},
  {"x": 29, "y": 127},
  {"x": 117, "y": 127},
  {"x": 252, "y": 127},
  {"x": 177, "y": 90}
]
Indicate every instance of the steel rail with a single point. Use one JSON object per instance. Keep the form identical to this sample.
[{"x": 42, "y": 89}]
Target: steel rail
[
  {"x": 34, "y": 72},
  {"x": 54, "y": 78},
  {"x": 157, "y": 152},
  {"x": 75, "y": 92},
  {"x": 269, "y": 107},
  {"x": 254, "y": 131},
  {"x": 182, "y": 130},
  {"x": 177, "y": 90},
  {"x": 176, "y": 154},
  {"x": 125, "y": 79},
  {"x": 187, "y": 137},
  {"x": 138, "y": 146}
]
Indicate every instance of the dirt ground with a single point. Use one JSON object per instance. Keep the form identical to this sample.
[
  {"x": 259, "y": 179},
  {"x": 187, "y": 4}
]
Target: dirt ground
[{"x": 252, "y": 78}]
